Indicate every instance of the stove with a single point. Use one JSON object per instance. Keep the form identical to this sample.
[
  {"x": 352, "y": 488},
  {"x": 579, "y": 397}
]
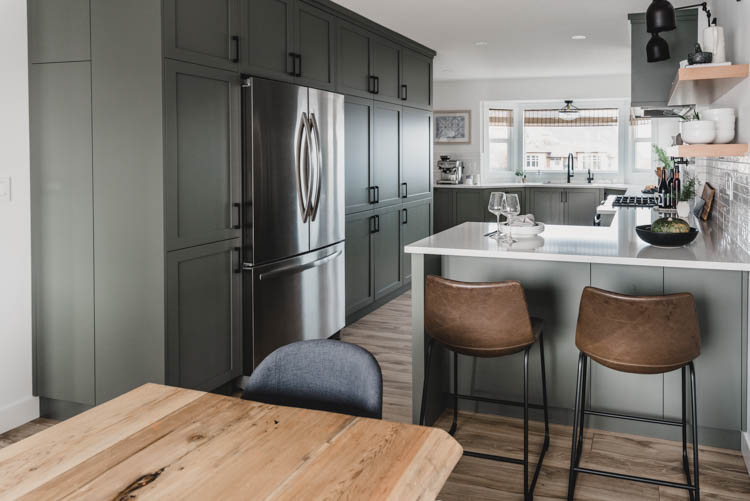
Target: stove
[{"x": 646, "y": 201}]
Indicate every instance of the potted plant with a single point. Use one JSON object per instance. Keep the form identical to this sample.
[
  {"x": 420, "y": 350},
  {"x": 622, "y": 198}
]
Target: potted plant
[{"x": 520, "y": 173}]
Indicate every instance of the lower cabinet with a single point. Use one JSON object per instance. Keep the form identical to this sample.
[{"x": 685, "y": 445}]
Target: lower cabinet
[
  {"x": 204, "y": 315},
  {"x": 580, "y": 206},
  {"x": 445, "y": 209},
  {"x": 571, "y": 206},
  {"x": 416, "y": 221},
  {"x": 547, "y": 205},
  {"x": 359, "y": 283},
  {"x": 468, "y": 202},
  {"x": 386, "y": 246}
]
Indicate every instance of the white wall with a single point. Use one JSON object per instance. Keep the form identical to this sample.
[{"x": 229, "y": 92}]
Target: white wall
[{"x": 17, "y": 405}]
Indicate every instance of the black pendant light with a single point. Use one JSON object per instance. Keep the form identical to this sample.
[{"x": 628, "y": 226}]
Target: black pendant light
[
  {"x": 660, "y": 17},
  {"x": 657, "y": 49}
]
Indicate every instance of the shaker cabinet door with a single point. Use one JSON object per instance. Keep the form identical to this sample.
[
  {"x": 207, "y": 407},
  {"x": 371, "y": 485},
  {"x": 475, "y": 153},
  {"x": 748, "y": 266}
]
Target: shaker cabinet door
[
  {"x": 204, "y": 315},
  {"x": 385, "y": 61},
  {"x": 445, "y": 209},
  {"x": 416, "y": 224},
  {"x": 358, "y": 153},
  {"x": 203, "y": 155},
  {"x": 547, "y": 205},
  {"x": 359, "y": 272},
  {"x": 580, "y": 206},
  {"x": 315, "y": 37},
  {"x": 417, "y": 154},
  {"x": 386, "y": 249},
  {"x": 416, "y": 80},
  {"x": 387, "y": 153},
  {"x": 202, "y": 32},
  {"x": 353, "y": 60},
  {"x": 268, "y": 42}
]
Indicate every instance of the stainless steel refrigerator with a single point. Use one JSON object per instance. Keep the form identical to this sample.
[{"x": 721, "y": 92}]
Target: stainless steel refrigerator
[{"x": 293, "y": 207}]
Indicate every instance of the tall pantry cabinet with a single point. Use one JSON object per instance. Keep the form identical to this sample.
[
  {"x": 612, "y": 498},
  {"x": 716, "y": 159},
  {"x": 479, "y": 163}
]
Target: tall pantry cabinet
[{"x": 136, "y": 149}]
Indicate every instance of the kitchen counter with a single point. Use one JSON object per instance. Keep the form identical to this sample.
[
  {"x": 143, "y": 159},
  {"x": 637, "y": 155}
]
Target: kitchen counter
[
  {"x": 553, "y": 269},
  {"x": 614, "y": 186}
]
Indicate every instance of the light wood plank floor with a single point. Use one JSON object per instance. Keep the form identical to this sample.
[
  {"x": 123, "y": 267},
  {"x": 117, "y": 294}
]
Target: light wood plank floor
[{"x": 386, "y": 333}]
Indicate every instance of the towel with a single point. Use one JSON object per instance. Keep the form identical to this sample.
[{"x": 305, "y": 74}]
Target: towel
[{"x": 523, "y": 220}]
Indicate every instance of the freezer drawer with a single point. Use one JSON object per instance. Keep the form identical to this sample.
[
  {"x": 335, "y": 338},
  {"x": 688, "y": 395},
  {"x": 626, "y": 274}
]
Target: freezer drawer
[{"x": 293, "y": 300}]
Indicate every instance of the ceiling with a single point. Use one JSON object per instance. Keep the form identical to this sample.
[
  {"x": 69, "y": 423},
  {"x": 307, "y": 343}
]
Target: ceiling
[{"x": 525, "y": 38}]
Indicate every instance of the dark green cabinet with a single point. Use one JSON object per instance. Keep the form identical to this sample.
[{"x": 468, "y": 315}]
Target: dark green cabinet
[
  {"x": 547, "y": 205},
  {"x": 445, "y": 209},
  {"x": 353, "y": 60},
  {"x": 416, "y": 80},
  {"x": 386, "y": 143},
  {"x": 204, "y": 315},
  {"x": 416, "y": 221},
  {"x": 203, "y": 154},
  {"x": 385, "y": 66},
  {"x": 59, "y": 31},
  {"x": 416, "y": 169},
  {"x": 358, "y": 115},
  {"x": 359, "y": 262},
  {"x": 288, "y": 40},
  {"x": 580, "y": 206},
  {"x": 386, "y": 250},
  {"x": 202, "y": 32},
  {"x": 468, "y": 206}
]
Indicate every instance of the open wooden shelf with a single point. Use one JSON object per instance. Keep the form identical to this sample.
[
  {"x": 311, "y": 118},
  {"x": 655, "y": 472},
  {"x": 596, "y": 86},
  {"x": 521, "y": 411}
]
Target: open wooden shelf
[
  {"x": 702, "y": 85},
  {"x": 708, "y": 150}
]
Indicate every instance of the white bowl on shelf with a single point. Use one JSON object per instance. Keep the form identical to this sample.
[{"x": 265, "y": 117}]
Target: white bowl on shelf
[
  {"x": 718, "y": 113},
  {"x": 698, "y": 131},
  {"x": 724, "y": 136}
]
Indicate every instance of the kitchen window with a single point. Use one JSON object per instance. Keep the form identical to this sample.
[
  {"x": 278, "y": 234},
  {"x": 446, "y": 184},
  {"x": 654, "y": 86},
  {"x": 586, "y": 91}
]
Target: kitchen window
[
  {"x": 500, "y": 138},
  {"x": 642, "y": 138}
]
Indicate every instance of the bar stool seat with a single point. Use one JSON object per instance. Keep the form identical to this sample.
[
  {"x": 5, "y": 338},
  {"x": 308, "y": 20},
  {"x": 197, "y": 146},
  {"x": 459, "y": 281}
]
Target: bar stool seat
[
  {"x": 485, "y": 320},
  {"x": 640, "y": 335}
]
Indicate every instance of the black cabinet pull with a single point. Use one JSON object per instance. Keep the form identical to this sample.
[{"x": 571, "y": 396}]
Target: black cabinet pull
[
  {"x": 377, "y": 85},
  {"x": 373, "y": 228},
  {"x": 236, "y": 42},
  {"x": 238, "y": 206},
  {"x": 404, "y": 92},
  {"x": 299, "y": 65},
  {"x": 371, "y": 195},
  {"x": 293, "y": 73},
  {"x": 238, "y": 250},
  {"x": 377, "y": 194},
  {"x": 377, "y": 224},
  {"x": 405, "y": 216},
  {"x": 371, "y": 84},
  {"x": 404, "y": 190}
]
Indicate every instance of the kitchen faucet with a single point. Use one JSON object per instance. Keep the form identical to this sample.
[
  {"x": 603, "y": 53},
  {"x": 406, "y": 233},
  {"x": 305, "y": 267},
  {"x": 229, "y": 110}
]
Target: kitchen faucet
[{"x": 570, "y": 167}]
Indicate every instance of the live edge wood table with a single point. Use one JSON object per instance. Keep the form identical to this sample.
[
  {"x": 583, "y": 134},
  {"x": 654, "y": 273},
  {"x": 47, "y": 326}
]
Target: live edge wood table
[{"x": 159, "y": 442}]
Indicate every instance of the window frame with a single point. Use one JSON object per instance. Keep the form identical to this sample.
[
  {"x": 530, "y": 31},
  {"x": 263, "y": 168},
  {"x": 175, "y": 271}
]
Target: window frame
[{"x": 634, "y": 140}]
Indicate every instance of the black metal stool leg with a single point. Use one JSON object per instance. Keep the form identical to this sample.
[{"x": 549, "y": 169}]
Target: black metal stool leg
[
  {"x": 685, "y": 461},
  {"x": 526, "y": 425},
  {"x": 576, "y": 418},
  {"x": 426, "y": 379},
  {"x": 544, "y": 392},
  {"x": 455, "y": 394},
  {"x": 695, "y": 432},
  {"x": 584, "y": 383}
]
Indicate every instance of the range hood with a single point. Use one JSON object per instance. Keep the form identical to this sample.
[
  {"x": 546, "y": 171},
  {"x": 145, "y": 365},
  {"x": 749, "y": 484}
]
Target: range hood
[{"x": 659, "y": 111}]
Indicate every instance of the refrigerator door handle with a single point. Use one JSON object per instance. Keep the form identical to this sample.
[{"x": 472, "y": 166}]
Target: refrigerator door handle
[
  {"x": 303, "y": 153},
  {"x": 296, "y": 268},
  {"x": 319, "y": 161}
]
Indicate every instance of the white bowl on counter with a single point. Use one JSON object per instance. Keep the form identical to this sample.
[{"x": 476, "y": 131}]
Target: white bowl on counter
[
  {"x": 698, "y": 131},
  {"x": 522, "y": 231}
]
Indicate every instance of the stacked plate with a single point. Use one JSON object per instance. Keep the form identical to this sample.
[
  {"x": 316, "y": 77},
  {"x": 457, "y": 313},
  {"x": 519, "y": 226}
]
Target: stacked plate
[{"x": 724, "y": 118}]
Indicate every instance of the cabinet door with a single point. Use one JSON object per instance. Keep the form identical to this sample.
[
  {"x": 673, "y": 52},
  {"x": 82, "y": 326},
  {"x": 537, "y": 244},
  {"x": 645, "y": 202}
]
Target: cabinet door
[
  {"x": 353, "y": 60},
  {"x": 417, "y": 158},
  {"x": 203, "y": 155},
  {"x": 469, "y": 206},
  {"x": 445, "y": 209},
  {"x": 202, "y": 32},
  {"x": 359, "y": 284},
  {"x": 386, "y": 250},
  {"x": 547, "y": 205},
  {"x": 386, "y": 68},
  {"x": 358, "y": 152},
  {"x": 416, "y": 80},
  {"x": 314, "y": 41},
  {"x": 268, "y": 43},
  {"x": 59, "y": 31},
  {"x": 204, "y": 315},
  {"x": 387, "y": 153},
  {"x": 580, "y": 206},
  {"x": 490, "y": 217},
  {"x": 416, "y": 221}
]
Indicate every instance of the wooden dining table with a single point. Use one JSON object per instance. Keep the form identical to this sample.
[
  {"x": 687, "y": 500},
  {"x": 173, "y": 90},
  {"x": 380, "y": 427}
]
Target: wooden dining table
[{"x": 161, "y": 442}]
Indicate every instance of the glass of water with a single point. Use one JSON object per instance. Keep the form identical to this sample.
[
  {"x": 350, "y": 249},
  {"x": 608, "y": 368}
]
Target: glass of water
[
  {"x": 496, "y": 206},
  {"x": 511, "y": 208}
]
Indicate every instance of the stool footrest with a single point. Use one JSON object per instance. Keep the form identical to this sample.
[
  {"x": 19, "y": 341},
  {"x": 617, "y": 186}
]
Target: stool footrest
[
  {"x": 496, "y": 401},
  {"x": 634, "y": 478},
  {"x": 632, "y": 418},
  {"x": 493, "y": 457}
]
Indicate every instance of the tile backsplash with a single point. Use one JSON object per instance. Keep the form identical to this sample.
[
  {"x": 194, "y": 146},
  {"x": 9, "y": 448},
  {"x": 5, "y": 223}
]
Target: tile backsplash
[{"x": 730, "y": 176}]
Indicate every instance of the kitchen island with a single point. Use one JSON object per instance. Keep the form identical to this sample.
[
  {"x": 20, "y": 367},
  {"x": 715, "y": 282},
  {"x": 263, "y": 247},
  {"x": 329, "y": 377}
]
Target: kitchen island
[{"x": 554, "y": 268}]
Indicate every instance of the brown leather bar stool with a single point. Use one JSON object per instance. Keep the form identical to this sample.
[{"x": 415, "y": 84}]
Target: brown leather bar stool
[
  {"x": 486, "y": 320},
  {"x": 639, "y": 335}
]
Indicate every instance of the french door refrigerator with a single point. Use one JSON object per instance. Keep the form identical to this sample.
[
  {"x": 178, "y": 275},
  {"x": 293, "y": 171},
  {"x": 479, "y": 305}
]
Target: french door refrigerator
[{"x": 293, "y": 216}]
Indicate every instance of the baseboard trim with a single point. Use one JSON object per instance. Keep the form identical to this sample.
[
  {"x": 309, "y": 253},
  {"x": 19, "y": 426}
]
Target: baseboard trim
[
  {"x": 19, "y": 412},
  {"x": 745, "y": 444}
]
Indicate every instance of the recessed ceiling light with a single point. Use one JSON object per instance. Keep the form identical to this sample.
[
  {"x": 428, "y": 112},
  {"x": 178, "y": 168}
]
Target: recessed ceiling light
[
  {"x": 481, "y": 43},
  {"x": 578, "y": 37}
]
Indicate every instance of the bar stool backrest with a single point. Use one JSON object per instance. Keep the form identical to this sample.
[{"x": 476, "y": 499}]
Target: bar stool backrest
[
  {"x": 479, "y": 319},
  {"x": 638, "y": 334}
]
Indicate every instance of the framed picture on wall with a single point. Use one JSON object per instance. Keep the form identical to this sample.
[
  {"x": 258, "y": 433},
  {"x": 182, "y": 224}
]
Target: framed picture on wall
[{"x": 452, "y": 127}]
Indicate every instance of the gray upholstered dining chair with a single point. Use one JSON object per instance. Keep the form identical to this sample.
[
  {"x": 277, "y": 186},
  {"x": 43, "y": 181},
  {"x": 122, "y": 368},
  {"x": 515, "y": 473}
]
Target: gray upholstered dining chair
[{"x": 321, "y": 374}]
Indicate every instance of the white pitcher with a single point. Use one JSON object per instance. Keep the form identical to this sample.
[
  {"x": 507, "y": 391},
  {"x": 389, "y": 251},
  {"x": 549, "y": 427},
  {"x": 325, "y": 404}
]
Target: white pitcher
[{"x": 713, "y": 41}]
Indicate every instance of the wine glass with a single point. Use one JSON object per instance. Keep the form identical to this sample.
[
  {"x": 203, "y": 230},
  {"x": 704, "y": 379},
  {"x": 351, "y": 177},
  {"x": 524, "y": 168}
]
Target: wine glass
[
  {"x": 496, "y": 205},
  {"x": 511, "y": 207}
]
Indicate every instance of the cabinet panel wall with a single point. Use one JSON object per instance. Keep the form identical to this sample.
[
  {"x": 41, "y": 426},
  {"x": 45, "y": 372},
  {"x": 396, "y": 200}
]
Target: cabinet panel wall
[
  {"x": 416, "y": 80},
  {"x": 204, "y": 312},
  {"x": 416, "y": 224},
  {"x": 63, "y": 232},
  {"x": 315, "y": 38},
  {"x": 385, "y": 63},
  {"x": 417, "y": 155},
  {"x": 359, "y": 261},
  {"x": 59, "y": 30},
  {"x": 387, "y": 153},
  {"x": 353, "y": 60},
  {"x": 203, "y": 32},
  {"x": 203, "y": 159},
  {"x": 269, "y": 38},
  {"x": 358, "y": 152},
  {"x": 386, "y": 245}
]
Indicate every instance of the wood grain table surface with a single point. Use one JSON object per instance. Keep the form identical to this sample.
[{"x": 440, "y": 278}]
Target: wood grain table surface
[{"x": 160, "y": 442}]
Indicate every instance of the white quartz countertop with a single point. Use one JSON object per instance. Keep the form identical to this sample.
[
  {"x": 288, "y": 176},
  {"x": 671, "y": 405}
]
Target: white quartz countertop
[
  {"x": 614, "y": 186},
  {"x": 616, "y": 244}
]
